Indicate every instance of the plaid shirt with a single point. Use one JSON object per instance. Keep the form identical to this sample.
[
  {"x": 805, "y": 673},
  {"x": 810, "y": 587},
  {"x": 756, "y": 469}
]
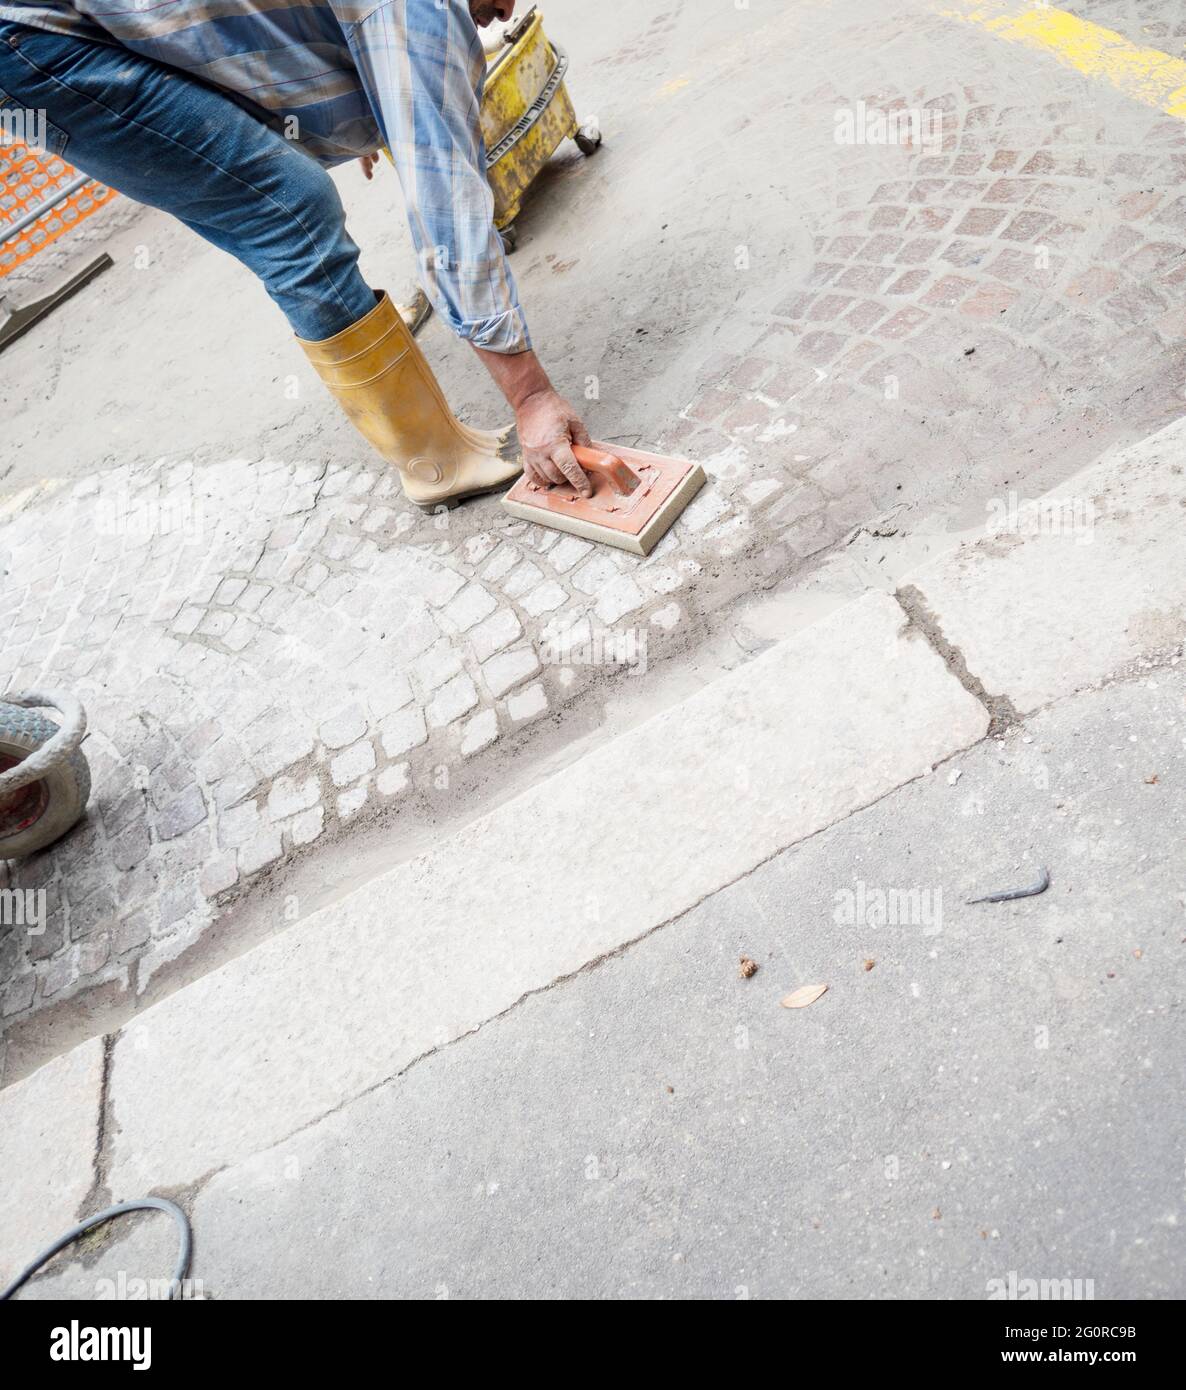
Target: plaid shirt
[{"x": 342, "y": 78}]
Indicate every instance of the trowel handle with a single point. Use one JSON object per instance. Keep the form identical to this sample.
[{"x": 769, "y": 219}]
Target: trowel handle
[{"x": 620, "y": 476}]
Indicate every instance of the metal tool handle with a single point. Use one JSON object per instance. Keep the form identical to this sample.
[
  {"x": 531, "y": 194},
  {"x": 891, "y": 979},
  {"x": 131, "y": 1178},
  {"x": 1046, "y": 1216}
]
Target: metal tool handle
[
  {"x": 54, "y": 750},
  {"x": 615, "y": 471}
]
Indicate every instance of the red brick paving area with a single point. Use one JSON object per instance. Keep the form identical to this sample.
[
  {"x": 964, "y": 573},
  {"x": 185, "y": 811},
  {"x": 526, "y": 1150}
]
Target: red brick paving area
[
  {"x": 1141, "y": 21},
  {"x": 1030, "y": 268}
]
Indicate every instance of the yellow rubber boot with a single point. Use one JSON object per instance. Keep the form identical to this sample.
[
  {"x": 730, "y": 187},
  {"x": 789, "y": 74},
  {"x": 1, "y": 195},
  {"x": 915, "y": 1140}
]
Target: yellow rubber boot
[{"x": 384, "y": 384}]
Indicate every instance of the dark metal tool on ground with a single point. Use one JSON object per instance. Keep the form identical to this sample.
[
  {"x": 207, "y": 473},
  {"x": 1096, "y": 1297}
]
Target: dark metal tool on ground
[
  {"x": 1008, "y": 895},
  {"x": 19, "y": 320}
]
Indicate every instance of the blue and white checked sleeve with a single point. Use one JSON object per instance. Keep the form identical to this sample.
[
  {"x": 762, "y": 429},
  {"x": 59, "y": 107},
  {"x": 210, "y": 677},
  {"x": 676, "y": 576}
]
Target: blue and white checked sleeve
[{"x": 422, "y": 67}]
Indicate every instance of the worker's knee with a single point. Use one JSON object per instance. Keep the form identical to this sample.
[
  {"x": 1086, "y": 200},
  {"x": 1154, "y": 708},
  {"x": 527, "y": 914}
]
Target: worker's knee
[
  {"x": 303, "y": 253},
  {"x": 297, "y": 201},
  {"x": 313, "y": 197}
]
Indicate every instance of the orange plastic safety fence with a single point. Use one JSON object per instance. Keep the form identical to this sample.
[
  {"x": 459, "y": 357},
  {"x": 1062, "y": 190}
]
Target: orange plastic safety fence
[{"x": 29, "y": 178}]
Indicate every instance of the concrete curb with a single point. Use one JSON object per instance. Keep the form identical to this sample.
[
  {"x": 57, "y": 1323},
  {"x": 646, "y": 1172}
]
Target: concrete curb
[
  {"x": 1077, "y": 586},
  {"x": 597, "y": 856}
]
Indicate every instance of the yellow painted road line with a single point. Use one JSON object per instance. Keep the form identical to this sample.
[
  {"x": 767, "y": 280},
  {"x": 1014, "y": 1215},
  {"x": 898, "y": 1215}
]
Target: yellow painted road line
[{"x": 1145, "y": 74}]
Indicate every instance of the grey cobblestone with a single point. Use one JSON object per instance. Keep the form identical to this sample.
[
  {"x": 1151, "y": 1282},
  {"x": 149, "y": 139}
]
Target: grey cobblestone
[
  {"x": 508, "y": 668},
  {"x": 544, "y": 598},
  {"x": 288, "y": 796},
  {"x": 94, "y": 953},
  {"x": 393, "y": 780},
  {"x": 182, "y": 813},
  {"x": 264, "y": 849},
  {"x": 239, "y": 824},
  {"x": 619, "y": 597},
  {"x": 470, "y": 606},
  {"x": 45, "y": 945},
  {"x": 404, "y": 731},
  {"x": 524, "y": 577},
  {"x": 439, "y": 664},
  {"x": 93, "y": 912},
  {"x": 176, "y": 900},
  {"x": 18, "y": 994},
  {"x": 351, "y": 802},
  {"x": 349, "y": 766},
  {"x": 454, "y": 699},
  {"x": 130, "y": 848},
  {"x": 595, "y": 574},
  {"x": 131, "y": 931},
  {"x": 527, "y": 704},
  {"x": 500, "y": 563},
  {"x": 479, "y": 732},
  {"x": 568, "y": 550},
  {"x": 59, "y": 973},
  {"x": 498, "y": 631},
  {"x": 344, "y": 727},
  {"x": 308, "y": 826}
]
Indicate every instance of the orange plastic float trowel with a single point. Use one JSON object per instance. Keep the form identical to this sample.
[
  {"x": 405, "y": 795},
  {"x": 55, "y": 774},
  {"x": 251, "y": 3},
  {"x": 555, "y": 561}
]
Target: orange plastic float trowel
[{"x": 636, "y": 497}]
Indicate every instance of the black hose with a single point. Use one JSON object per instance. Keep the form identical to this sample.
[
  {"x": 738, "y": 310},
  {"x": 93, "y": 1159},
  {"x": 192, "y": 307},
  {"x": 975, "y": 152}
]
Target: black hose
[{"x": 141, "y": 1204}]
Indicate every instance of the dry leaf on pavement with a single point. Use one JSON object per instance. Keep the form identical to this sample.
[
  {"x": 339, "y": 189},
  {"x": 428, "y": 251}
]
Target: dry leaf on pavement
[{"x": 804, "y": 995}]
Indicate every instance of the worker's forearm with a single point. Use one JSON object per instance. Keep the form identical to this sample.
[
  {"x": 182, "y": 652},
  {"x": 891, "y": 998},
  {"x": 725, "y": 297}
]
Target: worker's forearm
[
  {"x": 516, "y": 374},
  {"x": 548, "y": 426}
]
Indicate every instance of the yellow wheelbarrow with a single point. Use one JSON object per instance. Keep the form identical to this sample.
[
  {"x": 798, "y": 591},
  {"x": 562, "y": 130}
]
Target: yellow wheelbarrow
[{"x": 526, "y": 113}]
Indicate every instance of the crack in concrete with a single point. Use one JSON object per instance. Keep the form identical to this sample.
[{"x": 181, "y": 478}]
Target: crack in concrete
[
  {"x": 98, "y": 1194},
  {"x": 919, "y": 618}
]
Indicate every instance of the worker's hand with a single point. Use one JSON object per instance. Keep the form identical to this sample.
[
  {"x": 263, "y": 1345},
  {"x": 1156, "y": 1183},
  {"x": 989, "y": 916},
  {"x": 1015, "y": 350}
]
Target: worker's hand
[
  {"x": 548, "y": 425},
  {"x": 548, "y": 428},
  {"x": 368, "y": 162}
]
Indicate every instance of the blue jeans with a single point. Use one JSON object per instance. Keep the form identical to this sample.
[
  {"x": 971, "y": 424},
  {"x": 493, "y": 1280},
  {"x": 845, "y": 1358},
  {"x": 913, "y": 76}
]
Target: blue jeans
[{"x": 165, "y": 139}]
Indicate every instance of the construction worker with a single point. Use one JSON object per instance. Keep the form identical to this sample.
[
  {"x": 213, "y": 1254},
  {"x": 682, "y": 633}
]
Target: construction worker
[{"x": 226, "y": 113}]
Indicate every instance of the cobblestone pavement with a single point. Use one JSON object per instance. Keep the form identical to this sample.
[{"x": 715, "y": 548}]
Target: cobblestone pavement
[{"x": 274, "y": 648}]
